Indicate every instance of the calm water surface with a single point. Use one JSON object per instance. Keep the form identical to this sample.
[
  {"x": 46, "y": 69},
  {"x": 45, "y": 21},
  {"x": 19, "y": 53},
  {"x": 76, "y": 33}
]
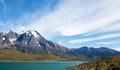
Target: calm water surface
[{"x": 38, "y": 65}]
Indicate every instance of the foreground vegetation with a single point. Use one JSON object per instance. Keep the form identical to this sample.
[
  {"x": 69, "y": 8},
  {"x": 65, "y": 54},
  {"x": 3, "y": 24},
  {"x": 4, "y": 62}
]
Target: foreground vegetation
[
  {"x": 14, "y": 55},
  {"x": 105, "y": 63}
]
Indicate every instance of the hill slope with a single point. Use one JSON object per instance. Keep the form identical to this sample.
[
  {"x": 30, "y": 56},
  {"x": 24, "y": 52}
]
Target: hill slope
[
  {"x": 14, "y": 55},
  {"x": 106, "y": 63}
]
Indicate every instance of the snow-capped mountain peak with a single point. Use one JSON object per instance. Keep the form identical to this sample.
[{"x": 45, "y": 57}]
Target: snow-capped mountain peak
[
  {"x": 32, "y": 42},
  {"x": 33, "y": 33}
]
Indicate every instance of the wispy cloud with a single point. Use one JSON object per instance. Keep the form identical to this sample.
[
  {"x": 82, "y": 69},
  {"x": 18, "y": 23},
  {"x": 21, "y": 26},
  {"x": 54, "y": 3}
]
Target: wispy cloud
[
  {"x": 95, "y": 19},
  {"x": 113, "y": 27},
  {"x": 118, "y": 49},
  {"x": 106, "y": 36},
  {"x": 60, "y": 42},
  {"x": 71, "y": 17},
  {"x": 108, "y": 43},
  {"x": 75, "y": 17}
]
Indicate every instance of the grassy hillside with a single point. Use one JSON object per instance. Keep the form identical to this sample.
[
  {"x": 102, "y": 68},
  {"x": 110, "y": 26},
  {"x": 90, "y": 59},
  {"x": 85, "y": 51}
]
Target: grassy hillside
[
  {"x": 14, "y": 55},
  {"x": 106, "y": 63}
]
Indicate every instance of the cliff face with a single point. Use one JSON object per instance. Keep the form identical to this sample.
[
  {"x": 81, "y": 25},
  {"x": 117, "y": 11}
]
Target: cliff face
[{"x": 108, "y": 63}]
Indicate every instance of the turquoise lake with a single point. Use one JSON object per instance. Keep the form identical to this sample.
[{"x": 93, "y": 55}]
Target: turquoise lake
[{"x": 38, "y": 65}]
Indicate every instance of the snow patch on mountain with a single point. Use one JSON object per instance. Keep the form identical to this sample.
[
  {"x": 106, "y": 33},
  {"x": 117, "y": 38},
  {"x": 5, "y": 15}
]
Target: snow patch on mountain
[
  {"x": 37, "y": 43},
  {"x": 3, "y": 38},
  {"x": 29, "y": 33},
  {"x": 26, "y": 43},
  {"x": 35, "y": 34},
  {"x": 12, "y": 40}
]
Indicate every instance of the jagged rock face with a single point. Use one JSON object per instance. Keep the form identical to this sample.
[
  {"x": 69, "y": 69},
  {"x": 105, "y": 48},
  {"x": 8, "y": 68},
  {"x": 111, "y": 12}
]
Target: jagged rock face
[
  {"x": 7, "y": 39},
  {"x": 1, "y": 39},
  {"x": 33, "y": 42},
  {"x": 27, "y": 42},
  {"x": 11, "y": 34}
]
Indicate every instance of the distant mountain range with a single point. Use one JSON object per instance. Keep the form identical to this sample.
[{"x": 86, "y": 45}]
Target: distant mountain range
[
  {"x": 32, "y": 42},
  {"x": 96, "y": 52}
]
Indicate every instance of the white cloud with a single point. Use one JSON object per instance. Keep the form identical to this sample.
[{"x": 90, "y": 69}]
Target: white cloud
[
  {"x": 106, "y": 29},
  {"x": 73, "y": 17},
  {"x": 60, "y": 42},
  {"x": 118, "y": 49},
  {"x": 108, "y": 43},
  {"x": 106, "y": 36}
]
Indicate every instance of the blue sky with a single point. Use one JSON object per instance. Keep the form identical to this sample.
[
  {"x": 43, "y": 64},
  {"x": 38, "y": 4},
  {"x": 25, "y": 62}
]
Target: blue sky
[{"x": 72, "y": 23}]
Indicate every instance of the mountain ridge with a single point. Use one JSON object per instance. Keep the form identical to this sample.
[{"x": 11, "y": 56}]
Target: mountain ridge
[
  {"x": 96, "y": 52},
  {"x": 33, "y": 42}
]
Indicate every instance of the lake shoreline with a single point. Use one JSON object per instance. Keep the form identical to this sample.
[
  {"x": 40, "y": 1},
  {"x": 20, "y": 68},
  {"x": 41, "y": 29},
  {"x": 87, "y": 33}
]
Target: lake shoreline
[
  {"x": 42, "y": 61},
  {"x": 47, "y": 65}
]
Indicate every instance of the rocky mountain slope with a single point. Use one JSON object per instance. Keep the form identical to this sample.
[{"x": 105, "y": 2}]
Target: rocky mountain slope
[
  {"x": 7, "y": 40},
  {"x": 32, "y": 42},
  {"x": 96, "y": 52}
]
